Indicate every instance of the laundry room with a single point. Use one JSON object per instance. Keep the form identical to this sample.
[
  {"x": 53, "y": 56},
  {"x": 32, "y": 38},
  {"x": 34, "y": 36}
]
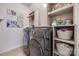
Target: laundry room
[{"x": 39, "y": 29}]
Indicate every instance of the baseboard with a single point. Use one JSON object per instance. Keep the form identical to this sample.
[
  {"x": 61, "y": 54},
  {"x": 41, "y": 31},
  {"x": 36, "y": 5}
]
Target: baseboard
[{"x": 4, "y": 51}]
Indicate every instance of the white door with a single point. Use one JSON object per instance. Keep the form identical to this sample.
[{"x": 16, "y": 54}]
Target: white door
[{"x": 37, "y": 18}]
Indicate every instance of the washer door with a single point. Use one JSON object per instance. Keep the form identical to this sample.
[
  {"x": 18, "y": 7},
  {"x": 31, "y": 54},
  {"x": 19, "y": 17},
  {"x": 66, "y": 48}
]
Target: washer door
[{"x": 35, "y": 48}]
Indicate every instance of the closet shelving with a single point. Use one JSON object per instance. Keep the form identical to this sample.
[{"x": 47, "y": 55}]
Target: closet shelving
[
  {"x": 63, "y": 25},
  {"x": 62, "y": 13},
  {"x": 66, "y": 41},
  {"x": 56, "y": 40},
  {"x": 61, "y": 10}
]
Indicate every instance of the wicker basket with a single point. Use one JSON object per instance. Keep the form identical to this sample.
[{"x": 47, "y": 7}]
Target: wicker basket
[
  {"x": 64, "y": 34},
  {"x": 64, "y": 49}
]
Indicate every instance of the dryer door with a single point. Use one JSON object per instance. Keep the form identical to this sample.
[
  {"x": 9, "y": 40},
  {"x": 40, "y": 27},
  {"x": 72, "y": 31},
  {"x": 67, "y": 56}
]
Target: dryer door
[{"x": 35, "y": 48}]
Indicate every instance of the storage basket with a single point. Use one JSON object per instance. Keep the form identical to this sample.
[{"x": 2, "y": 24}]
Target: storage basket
[
  {"x": 64, "y": 34},
  {"x": 64, "y": 49}
]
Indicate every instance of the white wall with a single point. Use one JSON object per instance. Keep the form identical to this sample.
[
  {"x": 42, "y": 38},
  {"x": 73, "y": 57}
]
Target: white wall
[
  {"x": 43, "y": 15},
  {"x": 12, "y": 37},
  {"x": 76, "y": 21}
]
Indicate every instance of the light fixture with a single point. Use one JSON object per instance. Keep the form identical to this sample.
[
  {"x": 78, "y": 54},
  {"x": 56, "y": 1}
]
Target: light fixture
[{"x": 45, "y": 5}]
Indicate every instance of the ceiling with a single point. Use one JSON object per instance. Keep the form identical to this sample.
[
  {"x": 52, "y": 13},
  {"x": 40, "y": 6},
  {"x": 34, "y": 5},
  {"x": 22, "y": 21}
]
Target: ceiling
[{"x": 27, "y": 4}]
